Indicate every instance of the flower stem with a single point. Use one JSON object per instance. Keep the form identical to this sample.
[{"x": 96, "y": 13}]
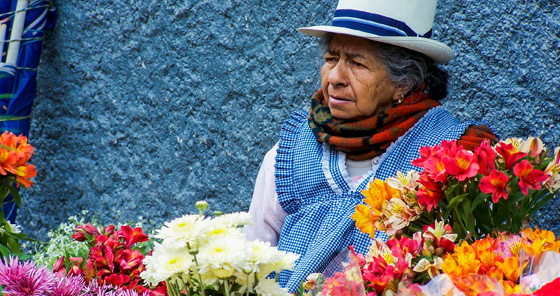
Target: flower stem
[{"x": 226, "y": 287}]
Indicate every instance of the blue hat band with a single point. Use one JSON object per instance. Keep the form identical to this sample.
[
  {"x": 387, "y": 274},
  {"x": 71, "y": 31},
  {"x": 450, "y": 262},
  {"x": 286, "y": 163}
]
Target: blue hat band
[{"x": 374, "y": 24}]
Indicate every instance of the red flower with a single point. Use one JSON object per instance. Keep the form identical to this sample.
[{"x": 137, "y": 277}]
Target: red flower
[
  {"x": 509, "y": 153},
  {"x": 132, "y": 236},
  {"x": 85, "y": 232},
  {"x": 116, "y": 279},
  {"x": 486, "y": 157},
  {"x": 463, "y": 165},
  {"x": 495, "y": 184},
  {"x": 130, "y": 259},
  {"x": 529, "y": 177},
  {"x": 430, "y": 194}
]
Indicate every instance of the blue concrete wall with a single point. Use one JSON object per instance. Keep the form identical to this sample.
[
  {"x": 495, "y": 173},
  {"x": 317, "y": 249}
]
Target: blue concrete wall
[{"x": 147, "y": 106}]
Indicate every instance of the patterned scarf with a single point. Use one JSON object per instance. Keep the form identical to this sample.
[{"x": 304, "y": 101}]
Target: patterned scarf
[{"x": 370, "y": 137}]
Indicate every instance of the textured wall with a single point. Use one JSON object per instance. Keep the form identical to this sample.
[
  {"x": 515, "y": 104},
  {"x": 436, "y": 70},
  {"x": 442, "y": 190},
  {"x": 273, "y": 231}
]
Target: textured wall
[{"x": 146, "y": 106}]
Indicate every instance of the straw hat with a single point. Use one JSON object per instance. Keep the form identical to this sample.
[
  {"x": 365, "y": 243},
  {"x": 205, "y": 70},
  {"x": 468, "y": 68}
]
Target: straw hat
[{"x": 405, "y": 23}]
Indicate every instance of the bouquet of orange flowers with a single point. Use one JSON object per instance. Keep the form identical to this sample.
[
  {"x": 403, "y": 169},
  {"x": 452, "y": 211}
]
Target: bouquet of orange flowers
[{"x": 15, "y": 170}]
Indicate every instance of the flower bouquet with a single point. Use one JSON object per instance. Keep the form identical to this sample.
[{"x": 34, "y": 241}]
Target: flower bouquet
[
  {"x": 195, "y": 255},
  {"x": 460, "y": 204},
  {"x": 15, "y": 170},
  {"x": 210, "y": 256}
]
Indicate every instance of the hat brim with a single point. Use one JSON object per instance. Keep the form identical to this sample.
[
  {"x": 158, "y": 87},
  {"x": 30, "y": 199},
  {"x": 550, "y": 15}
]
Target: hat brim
[{"x": 437, "y": 51}]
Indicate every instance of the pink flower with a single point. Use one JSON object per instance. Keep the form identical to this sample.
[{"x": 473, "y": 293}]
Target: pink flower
[
  {"x": 509, "y": 153},
  {"x": 463, "y": 165},
  {"x": 486, "y": 157},
  {"x": 528, "y": 177},
  {"x": 68, "y": 286},
  {"x": 25, "y": 278},
  {"x": 495, "y": 184}
]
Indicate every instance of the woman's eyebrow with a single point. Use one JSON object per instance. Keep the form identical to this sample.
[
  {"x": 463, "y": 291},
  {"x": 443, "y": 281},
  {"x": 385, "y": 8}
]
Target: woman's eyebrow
[{"x": 351, "y": 54}]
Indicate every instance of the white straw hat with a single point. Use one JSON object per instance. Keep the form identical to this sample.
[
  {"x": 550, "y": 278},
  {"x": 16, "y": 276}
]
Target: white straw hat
[{"x": 405, "y": 23}]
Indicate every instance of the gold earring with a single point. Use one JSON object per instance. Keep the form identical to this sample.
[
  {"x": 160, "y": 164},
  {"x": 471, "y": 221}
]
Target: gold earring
[{"x": 400, "y": 100}]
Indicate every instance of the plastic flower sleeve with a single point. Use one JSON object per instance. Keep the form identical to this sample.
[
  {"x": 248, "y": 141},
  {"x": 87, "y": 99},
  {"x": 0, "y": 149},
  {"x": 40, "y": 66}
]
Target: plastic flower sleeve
[
  {"x": 342, "y": 277},
  {"x": 444, "y": 284},
  {"x": 539, "y": 270}
]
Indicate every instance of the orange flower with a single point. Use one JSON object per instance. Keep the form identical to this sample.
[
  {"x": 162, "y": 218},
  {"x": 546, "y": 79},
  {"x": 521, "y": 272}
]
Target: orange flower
[
  {"x": 24, "y": 173},
  {"x": 14, "y": 154},
  {"x": 365, "y": 219},
  {"x": 462, "y": 262},
  {"x": 510, "y": 268},
  {"x": 378, "y": 193}
]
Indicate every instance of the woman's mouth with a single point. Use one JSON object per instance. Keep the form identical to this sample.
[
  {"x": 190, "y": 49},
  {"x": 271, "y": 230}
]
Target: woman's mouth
[{"x": 339, "y": 100}]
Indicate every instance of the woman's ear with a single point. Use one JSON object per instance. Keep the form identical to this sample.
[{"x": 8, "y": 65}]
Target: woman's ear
[{"x": 399, "y": 94}]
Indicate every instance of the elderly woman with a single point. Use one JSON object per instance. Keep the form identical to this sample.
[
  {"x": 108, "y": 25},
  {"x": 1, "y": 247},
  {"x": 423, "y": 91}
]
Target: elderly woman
[{"x": 379, "y": 104}]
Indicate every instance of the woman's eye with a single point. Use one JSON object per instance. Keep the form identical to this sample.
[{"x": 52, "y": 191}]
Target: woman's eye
[
  {"x": 358, "y": 64},
  {"x": 331, "y": 60}
]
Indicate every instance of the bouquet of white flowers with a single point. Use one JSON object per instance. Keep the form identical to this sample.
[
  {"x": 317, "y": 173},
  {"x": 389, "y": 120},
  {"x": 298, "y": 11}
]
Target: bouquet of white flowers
[{"x": 199, "y": 255}]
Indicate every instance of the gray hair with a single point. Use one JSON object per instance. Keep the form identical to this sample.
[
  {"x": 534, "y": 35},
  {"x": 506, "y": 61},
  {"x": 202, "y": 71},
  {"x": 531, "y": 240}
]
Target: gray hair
[{"x": 405, "y": 68}]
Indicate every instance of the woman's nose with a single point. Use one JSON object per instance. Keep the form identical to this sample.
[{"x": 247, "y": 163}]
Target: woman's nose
[{"x": 338, "y": 75}]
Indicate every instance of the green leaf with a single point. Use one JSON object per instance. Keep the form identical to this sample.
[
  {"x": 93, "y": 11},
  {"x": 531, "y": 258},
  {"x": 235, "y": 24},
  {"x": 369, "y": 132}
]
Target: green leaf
[
  {"x": 478, "y": 199},
  {"x": 5, "y": 251},
  {"x": 457, "y": 200},
  {"x": 15, "y": 194}
]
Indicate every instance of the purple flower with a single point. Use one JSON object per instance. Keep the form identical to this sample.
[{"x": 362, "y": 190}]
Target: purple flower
[
  {"x": 25, "y": 279},
  {"x": 94, "y": 289},
  {"x": 68, "y": 286}
]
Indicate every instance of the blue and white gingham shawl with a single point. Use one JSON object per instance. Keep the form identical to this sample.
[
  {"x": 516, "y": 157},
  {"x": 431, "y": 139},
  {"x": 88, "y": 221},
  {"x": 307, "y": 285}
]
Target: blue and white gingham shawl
[{"x": 318, "y": 225}]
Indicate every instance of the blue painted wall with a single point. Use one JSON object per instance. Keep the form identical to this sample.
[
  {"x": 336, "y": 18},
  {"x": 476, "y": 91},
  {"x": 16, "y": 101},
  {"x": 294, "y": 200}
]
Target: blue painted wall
[{"x": 147, "y": 106}]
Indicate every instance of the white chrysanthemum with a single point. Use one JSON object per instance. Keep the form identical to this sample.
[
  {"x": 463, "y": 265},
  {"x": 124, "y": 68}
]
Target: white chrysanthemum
[
  {"x": 221, "y": 256},
  {"x": 164, "y": 263},
  {"x": 269, "y": 287},
  {"x": 234, "y": 219},
  {"x": 182, "y": 231},
  {"x": 217, "y": 230},
  {"x": 279, "y": 261}
]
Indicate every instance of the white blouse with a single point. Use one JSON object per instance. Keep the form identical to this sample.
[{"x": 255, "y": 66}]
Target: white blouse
[{"x": 268, "y": 215}]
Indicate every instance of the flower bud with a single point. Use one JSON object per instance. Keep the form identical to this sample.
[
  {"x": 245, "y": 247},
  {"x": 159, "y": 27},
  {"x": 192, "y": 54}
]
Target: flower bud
[
  {"x": 59, "y": 265},
  {"x": 201, "y": 206},
  {"x": 218, "y": 213}
]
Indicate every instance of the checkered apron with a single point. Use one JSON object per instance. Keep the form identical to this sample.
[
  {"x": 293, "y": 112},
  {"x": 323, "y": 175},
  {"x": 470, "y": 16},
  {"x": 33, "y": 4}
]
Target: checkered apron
[{"x": 318, "y": 225}]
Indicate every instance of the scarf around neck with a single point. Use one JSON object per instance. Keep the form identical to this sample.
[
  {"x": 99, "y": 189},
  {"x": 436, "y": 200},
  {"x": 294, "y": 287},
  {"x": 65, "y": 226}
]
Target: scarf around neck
[{"x": 370, "y": 137}]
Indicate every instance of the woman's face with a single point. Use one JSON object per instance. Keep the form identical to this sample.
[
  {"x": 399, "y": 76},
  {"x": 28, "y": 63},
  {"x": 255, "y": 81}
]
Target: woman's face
[{"x": 355, "y": 85}]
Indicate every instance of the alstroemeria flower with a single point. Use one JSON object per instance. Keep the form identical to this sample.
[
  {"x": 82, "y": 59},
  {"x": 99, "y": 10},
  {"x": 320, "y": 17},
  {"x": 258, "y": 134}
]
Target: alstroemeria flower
[
  {"x": 495, "y": 184},
  {"x": 432, "y": 268},
  {"x": 365, "y": 219},
  {"x": 441, "y": 235},
  {"x": 510, "y": 267},
  {"x": 486, "y": 157},
  {"x": 553, "y": 170},
  {"x": 532, "y": 146},
  {"x": 462, "y": 166},
  {"x": 132, "y": 236},
  {"x": 510, "y": 153},
  {"x": 430, "y": 194},
  {"x": 406, "y": 183},
  {"x": 528, "y": 177},
  {"x": 400, "y": 215}
]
